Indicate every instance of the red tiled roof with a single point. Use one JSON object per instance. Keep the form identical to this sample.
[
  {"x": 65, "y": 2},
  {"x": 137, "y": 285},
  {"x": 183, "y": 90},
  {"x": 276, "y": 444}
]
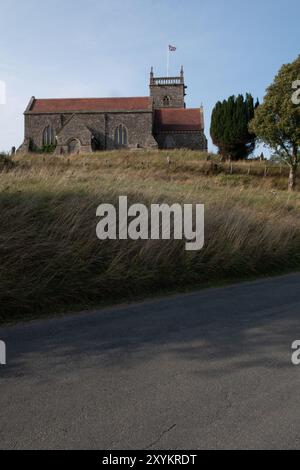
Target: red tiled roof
[
  {"x": 173, "y": 119},
  {"x": 90, "y": 104}
]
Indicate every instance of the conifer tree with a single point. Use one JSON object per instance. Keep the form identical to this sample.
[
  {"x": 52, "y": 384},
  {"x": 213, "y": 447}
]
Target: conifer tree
[{"x": 229, "y": 127}]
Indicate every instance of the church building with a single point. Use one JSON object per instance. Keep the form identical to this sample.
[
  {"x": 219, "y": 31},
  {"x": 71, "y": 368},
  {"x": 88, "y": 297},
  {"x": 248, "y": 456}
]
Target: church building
[{"x": 75, "y": 125}]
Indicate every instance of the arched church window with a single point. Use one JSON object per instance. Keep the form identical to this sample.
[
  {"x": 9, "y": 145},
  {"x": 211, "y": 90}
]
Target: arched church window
[
  {"x": 49, "y": 136},
  {"x": 166, "y": 101},
  {"x": 121, "y": 135}
]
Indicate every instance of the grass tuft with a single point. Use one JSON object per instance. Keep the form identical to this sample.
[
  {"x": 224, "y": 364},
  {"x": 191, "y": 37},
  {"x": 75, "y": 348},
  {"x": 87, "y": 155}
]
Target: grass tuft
[{"x": 52, "y": 261}]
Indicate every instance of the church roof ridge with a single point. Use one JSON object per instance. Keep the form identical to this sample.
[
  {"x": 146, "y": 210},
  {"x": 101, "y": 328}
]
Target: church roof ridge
[
  {"x": 60, "y": 105},
  {"x": 93, "y": 98}
]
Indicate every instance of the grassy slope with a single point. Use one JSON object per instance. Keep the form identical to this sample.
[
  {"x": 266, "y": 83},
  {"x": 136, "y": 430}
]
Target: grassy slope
[{"x": 51, "y": 259}]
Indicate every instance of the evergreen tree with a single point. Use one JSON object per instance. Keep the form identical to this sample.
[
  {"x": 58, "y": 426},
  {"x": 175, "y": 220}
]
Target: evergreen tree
[{"x": 229, "y": 126}]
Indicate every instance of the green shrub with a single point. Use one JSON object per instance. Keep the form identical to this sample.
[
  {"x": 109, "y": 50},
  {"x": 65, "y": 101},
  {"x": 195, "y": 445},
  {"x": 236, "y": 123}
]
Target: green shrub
[{"x": 48, "y": 148}]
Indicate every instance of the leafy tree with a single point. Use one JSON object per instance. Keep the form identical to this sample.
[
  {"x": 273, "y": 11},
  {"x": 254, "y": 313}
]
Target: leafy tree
[
  {"x": 277, "y": 120},
  {"x": 229, "y": 127}
]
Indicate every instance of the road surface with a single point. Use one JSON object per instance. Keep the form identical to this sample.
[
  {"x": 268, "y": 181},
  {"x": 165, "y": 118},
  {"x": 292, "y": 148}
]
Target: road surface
[{"x": 206, "y": 370}]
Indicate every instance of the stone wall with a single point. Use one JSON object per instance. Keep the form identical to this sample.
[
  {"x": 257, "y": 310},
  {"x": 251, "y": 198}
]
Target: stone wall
[
  {"x": 191, "y": 140},
  {"x": 95, "y": 131},
  {"x": 74, "y": 137},
  {"x": 175, "y": 92},
  {"x": 88, "y": 129},
  {"x": 139, "y": 128},
  {"x": 35, "y": 125}
]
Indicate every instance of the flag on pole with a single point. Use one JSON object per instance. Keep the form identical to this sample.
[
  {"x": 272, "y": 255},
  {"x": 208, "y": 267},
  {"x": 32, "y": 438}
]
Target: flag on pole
[{"x": 170, "y": 49}]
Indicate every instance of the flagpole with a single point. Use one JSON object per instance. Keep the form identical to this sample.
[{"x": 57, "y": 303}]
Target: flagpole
[{"x": 168, "y": 60}]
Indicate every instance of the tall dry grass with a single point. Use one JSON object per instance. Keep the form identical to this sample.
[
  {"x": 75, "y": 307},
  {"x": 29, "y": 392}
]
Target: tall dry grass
[{"x": 51, "y": 259}]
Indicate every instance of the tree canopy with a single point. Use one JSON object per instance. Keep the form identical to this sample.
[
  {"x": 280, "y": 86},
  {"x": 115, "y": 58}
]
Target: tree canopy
[
  {"x": 277, "y": 120},
  {"x": 229, "y": 126}
]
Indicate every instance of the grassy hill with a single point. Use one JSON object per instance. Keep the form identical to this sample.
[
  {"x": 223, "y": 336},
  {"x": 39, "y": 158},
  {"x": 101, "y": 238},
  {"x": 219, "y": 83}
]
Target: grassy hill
[{"x": 51, "y": 259}]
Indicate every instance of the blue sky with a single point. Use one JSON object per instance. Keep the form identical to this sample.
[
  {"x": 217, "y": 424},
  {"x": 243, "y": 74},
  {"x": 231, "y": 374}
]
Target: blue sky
[{"x": 87, "y": 48}]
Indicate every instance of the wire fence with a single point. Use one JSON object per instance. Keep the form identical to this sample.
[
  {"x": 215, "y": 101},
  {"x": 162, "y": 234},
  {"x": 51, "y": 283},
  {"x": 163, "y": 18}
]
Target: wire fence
[{"x": 260, "y": 169}]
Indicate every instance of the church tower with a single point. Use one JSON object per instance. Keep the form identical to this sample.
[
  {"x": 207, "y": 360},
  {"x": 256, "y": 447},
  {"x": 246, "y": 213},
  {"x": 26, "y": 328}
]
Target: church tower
[{"x": 167, "y": 92}]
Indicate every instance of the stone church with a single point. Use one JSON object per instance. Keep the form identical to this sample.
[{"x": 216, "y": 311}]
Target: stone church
[{"x": 75, "y": 125}]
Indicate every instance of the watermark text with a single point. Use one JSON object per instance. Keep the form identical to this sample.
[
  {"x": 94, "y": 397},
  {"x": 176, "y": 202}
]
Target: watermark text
[
  {"x": 160, "y": 222},
  {"x": 2, "y": 353},
  {"x": 296, "y": 353}
]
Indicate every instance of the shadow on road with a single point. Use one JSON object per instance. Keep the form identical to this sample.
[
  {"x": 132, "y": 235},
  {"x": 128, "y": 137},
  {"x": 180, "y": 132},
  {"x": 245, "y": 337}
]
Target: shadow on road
[{"x": 243, "y": 326}]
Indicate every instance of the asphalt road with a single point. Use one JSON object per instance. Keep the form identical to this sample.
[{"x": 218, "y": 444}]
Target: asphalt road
[{"x": 207, "y": 370}]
